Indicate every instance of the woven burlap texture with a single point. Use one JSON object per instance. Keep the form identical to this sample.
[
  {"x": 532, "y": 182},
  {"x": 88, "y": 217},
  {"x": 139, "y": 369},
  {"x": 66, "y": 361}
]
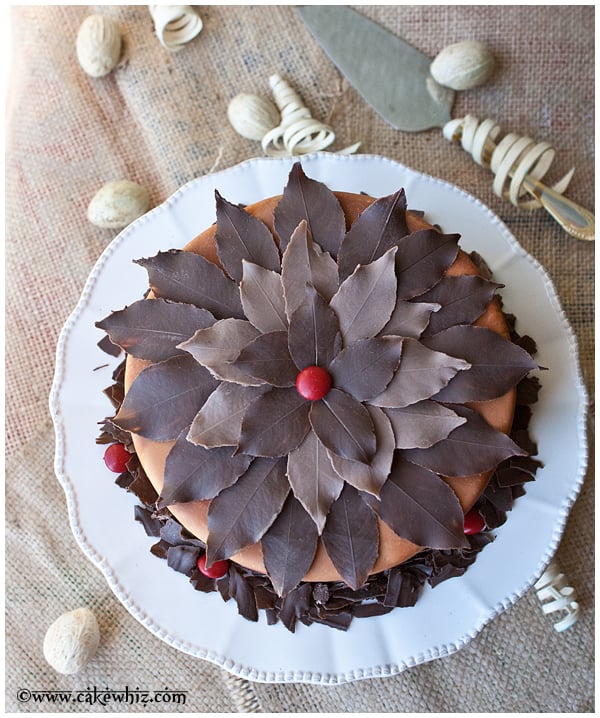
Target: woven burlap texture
[{"x": 160, "y": 119}]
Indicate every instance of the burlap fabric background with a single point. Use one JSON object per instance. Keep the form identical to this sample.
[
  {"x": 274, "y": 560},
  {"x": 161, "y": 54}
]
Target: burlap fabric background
[{"x": 160, "y": 119}]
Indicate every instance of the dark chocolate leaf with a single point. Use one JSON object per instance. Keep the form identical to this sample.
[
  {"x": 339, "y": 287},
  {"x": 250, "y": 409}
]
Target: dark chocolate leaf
[
  {"x": 190, "y": 278},
  {"x": 305, "y": 198},
  {"x": 497, "y": 364},
  {"x": 289, "y": 546},
  {"x": 261, "y": 292},
  {"x": 314, "y": 337},
  {"x": 421, "y": 374},
  {"x": 463, "y": 300},
  {"x": 268, "y": 358},
  {"x": 240, "y": 236},
  {"x": 370, "y": 477},
  {"x": 219, "y": 421},
  {"x": 375, "y": 230},
  {"x": 409, "y": 319},
  {"x": 218, "y": 346},
  {"x": 351, "y": 537},
  {"x": 151, "y": 329},
  {"x": 365, "y": 368},
  {"x": 240, "y": 515},
  {"x": 365, "y": 300},
  {"x": 423, "y": 424},
  {"x": 313, "y": 479},
  {"x": 305, "y": 263},
  {"x": 274, "y": 424},
  {"x": 420, "y": 507},
  {"x": 165, "y": 397},
  {"x": 472, "y": 448},
  {"x": 344, "y": 426},
  {"x": 421, "y": 260},
  {"x": 193, "y": 473}
]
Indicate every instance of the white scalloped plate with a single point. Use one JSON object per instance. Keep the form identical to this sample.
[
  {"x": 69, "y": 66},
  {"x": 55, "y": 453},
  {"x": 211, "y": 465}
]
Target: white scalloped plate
[{"x": 445, "y": 618}]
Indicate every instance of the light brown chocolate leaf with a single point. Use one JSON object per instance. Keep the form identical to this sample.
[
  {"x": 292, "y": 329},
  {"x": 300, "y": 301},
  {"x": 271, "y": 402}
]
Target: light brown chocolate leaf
[
  {"x": 423, "y": 424},
  {"x": 219, "y": 422},
  {"x": 370, "y": 477},
  {"x": 238, "y": 236},
  {"x": 151, "y": 329},
  {"x": 314, "y": 338},
  {"x": 344, "y": 426},
  {"x": 419, "y": 507},
  {"x": 274, "y": 424},
  {"x": 312, "y": 478},
  {"x": 366, "y": 367},
  {"x": 261, "y": 292},
  {"x": 351, "y": 537},
  {"x": 378, "y": 228},
  {"x": 241, "y": 514},
  {"x": 421, "y": 374},
  {"x": 422, "y": 258},
  {"x": 190, "y": 278},
  {"x": 164, "y": 398},
  {"x": 289, "y": 546},
  {"x": 218, "y": 346},
  {"x": 306, "y": 198},
  {"x": 365, "y": 300},
  {"x": 193, "y": 473},
  {"x": 470, "y": 449},
  {"x": 410, "y": 319},
  {"x": 305, "y": 263},
  {"x": 268, "y": 358}
]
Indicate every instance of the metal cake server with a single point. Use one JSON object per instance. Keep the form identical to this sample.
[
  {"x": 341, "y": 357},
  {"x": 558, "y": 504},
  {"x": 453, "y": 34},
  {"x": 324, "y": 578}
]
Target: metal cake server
[{"x": 393, "y": 77}]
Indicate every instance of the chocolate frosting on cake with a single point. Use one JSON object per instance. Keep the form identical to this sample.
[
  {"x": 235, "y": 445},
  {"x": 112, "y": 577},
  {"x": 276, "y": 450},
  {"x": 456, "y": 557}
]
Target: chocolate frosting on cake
[{"x": 415, "y": 416}]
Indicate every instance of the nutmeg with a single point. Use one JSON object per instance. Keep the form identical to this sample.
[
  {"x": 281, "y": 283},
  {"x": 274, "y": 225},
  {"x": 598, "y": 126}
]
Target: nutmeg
[
  {"x": 72, "y": 641},
  {"x": 463, "y": 65},
  {"x": 252, "y": 116},
  {"x": 99, "y": 44},
  {"x": 117, "y": 204}
]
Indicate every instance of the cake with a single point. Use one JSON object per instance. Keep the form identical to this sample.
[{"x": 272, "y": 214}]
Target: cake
[{"x": 322, "y": 405}]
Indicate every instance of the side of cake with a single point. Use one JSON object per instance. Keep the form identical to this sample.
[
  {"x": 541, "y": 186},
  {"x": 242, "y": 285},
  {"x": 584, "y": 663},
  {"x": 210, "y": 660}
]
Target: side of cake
[{"x": 317, "y": 390}]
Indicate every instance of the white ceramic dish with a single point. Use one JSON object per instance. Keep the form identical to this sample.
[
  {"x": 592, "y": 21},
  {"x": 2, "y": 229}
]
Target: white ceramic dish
[{"x": 445, "y": 618}]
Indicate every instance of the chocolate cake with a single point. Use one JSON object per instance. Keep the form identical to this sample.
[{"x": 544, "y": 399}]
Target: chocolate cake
[{"x": 322, "y": 405}]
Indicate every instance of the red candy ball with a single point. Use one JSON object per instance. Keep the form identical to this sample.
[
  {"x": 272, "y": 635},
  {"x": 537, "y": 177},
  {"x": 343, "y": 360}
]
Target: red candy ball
[
  {"x": 217, "y": 570},
  {"x": 116, "y": 457},
  {"x": 313, "y": 383},
  {"x": 474, "y": 522}
]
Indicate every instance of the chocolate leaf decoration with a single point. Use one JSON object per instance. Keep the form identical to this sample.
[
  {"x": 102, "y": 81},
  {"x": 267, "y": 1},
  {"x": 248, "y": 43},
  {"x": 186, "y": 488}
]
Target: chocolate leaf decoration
[
  {"x": 422, "y": 373},
  {"x": 190, "y": 278},
  {"x": 365, "y": 300},
  {"x": 365, "y": 368},
  {"x": 218, "y": 346},
  {"x": 496, "y": 363},
  {"x": 164, "y": 398},
  {"x": 289, "y": 546},
  {"x": 410, "y": 319},
  {"x": 267, "y": 358},
  {"x": 151, "y": 329},
  {"x": 274, "y": 424},
  {"x": 463, "y": 300},
  {"x": 344, "y": 426},
  {"x": 304, "y": 262},
  {"x": 193, "y": 473},
  {"x": 262, "y": 298},
  {"x": 370, "y": 477},
  {"x": 219, "y": 422},
  {"x": 314, "y": 337},
  {"x": 376, "y": 229},
  {"x": 420, "y": 507},
  {"x": 240, "y": 515},
  {"x": 305, "y": 198},
  {"x": 422, "y": 258},
  {"x": 312, "y": 478},
  {"x": 240, "y": 236},
  {"x": 351, "y": 537},
  {"x": 470, "y": 449},
  {"x": 423, "y": 424}
]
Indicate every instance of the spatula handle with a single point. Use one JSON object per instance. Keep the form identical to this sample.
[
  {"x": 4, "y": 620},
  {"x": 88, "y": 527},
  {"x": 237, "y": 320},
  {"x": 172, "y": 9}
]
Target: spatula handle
[{"x": 518, "y": 164}]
